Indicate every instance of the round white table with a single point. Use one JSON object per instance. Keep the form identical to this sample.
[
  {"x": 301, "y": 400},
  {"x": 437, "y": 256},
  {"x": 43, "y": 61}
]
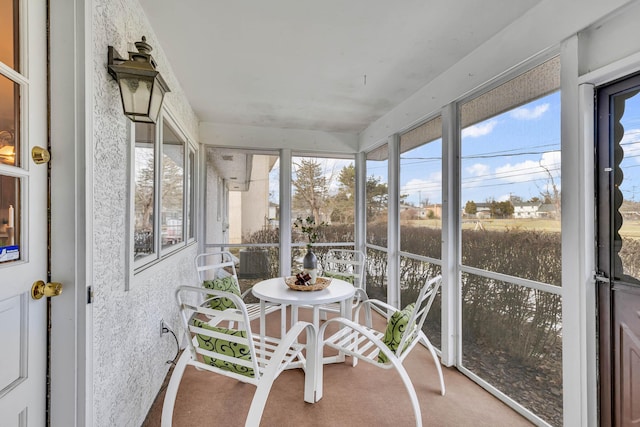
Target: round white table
[{"x": 276, "y": 291}]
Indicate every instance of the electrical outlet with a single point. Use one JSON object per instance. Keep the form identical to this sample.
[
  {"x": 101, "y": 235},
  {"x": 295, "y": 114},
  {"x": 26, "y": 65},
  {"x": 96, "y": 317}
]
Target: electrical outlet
[{"x": 163, "y": 327}]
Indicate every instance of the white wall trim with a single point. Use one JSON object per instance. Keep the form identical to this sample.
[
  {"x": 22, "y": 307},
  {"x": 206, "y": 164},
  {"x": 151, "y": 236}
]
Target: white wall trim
[
  {"x": 72, "y": 171},
  {"x": 588, "y": 317},
  {"x": 613, "y": 71},
  {"x": 574, "y": 366}
]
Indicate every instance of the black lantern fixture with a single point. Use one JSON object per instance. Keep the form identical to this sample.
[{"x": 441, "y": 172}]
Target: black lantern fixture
[{"x": 142, "y": 88}]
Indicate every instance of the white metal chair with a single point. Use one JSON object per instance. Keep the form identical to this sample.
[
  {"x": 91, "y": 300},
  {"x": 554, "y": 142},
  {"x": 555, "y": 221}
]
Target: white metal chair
[
  {"x": 348, "y": 265},
  {"x": 387, "y": 349},
  {"x": 217, "y": 267},
  {"x": 237, "y": 353}
]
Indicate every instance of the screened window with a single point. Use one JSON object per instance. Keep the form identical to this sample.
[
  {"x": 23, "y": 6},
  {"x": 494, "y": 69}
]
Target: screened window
[
  {"x": 243, "y": 210},
  {"x": 421, "y": 216},
  {"x": 511, "y": 239},
  {"x": 377, "y": 204},
  {"x": 377, "y": 195},
  {"x": 323, "y": 189},
  {"x": 421, "y": 190}
]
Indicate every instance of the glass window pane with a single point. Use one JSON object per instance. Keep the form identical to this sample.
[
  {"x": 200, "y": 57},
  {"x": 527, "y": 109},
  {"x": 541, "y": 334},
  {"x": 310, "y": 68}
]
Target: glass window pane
[
  {"x": 10, "y": 229},
  {"x": 377, "y": 195},
  {"x": 9, "y": 122},
  {"x": 144, "y": 200},
  {"x": 627, "y": 219},
  {"x": 172, "y": 187},
  {"x": 421, "y": 190},
  {"x": 512, "y": 338},
  {"x": 9, "y": 31}
]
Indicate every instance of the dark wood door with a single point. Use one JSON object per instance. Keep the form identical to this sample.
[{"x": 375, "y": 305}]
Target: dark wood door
[{"x": 618, "y": 201}]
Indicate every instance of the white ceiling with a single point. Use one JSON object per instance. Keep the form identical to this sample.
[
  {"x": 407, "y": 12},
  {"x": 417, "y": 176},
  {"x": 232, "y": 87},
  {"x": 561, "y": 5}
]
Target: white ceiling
[{"x": 328, "y": 65}]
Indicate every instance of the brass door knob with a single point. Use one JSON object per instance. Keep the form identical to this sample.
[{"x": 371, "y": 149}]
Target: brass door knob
[
  {"x": 41, "y": 289},
  {"x": 40, "y": 155}
]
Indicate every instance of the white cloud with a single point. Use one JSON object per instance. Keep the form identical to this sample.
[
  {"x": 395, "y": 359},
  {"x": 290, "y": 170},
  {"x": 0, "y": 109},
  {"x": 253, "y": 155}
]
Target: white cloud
[
  {"x": 429, "y": 188},
  {"x": 481, "y": 129},
  {"x": 631, "y": 144},
  {"x": 551, "y": 160},
  {"x": 524, "y": 113},
  {"x": 478, "y": 169},
  {"x": 530, "y": 169},
  {"x": 330, "y": 169}
]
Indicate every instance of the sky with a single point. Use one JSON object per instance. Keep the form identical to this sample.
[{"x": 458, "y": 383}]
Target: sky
[
  {"x": 516, "y": 153},
  {"x": 631, "y": 145},
  {"x": 331, "y": 168}
]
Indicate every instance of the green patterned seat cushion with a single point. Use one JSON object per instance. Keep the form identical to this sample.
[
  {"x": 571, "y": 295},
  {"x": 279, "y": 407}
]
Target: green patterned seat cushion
[
  {"x": 396, "y": 326},
  {"x": 334, "y": 275},
  {"x": 226, "y": 284},
  {"x": 228, "y": 348}
]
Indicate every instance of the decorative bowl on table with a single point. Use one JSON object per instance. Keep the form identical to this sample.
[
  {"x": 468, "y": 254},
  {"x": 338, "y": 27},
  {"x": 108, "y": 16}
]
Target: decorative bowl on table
[{"x": 321, "y": 283}]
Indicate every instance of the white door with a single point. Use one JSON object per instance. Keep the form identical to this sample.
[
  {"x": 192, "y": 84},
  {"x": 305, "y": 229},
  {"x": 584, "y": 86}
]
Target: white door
[{"x": 23, "y": 212}]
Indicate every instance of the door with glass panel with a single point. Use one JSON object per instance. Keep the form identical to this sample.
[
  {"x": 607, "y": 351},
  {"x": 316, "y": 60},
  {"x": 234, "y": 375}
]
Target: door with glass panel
[
  {"x": 23, "y": 212},
  {"x": 618, "y": 195}
]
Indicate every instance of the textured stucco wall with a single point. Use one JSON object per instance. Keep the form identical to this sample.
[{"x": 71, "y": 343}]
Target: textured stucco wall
[{"x": 130, "y": 357}]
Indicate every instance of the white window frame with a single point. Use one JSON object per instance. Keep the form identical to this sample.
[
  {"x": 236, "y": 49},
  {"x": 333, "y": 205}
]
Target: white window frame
[{"x": 137, "y": 266}]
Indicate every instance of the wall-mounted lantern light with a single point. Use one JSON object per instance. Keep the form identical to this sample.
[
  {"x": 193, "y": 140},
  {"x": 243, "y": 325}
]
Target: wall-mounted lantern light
[{"x": 142, "y": 88}]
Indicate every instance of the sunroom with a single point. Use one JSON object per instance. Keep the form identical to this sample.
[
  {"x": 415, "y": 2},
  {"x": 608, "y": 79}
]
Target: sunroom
[{"x": 492, "y": 144}]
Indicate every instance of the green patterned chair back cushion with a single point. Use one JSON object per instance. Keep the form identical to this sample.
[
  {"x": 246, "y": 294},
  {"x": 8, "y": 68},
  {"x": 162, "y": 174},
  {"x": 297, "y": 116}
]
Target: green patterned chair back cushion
[
  {"x": 344, "y": 277},
  {"x": 228, "y": 348},
  {"x": 226, "y": 284},
  {"x": 397, "y": 325}
]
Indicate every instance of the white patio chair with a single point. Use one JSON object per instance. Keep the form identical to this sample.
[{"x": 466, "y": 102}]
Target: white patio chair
[
  {"x": 217, "y": 270},
  {"x": 389, "y": 348},
  {"x": 237, "y": 353},
  {"x": 348, "y": 265}
]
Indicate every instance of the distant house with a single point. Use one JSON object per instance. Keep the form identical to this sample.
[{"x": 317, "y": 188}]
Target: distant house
[
  {"x": 435, "y": 209},
  {"x": 534, "y": 210},
  {"x": 526, "y": 210},
  {"x": 483, "y": 210},
  {"x": 548, "y": 210},
  {"x": 423, "y": 212}
]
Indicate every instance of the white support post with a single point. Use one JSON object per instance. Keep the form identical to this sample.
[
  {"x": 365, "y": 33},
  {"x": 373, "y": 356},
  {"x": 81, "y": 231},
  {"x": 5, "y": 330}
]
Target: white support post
[
  {"x": 577, "y": 241},
  {"x": 285, "y": 212},
  {"x": 361, "y": 205},
  {"x": 451, "y": 304},
  {"x": 393, "y": 222}
]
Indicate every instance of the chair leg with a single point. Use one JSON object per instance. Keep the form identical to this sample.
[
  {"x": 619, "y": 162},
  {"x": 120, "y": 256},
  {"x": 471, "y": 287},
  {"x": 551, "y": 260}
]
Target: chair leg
[
  {"x": 410, "y": 389},
  {"x": 172, "y": 389},
  {"x": 432, "y": 350},
  {"x": 367, "y": 316}
]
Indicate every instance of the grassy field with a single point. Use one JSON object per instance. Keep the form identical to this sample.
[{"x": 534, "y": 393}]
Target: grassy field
[{"x": 630, "y": 228}]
